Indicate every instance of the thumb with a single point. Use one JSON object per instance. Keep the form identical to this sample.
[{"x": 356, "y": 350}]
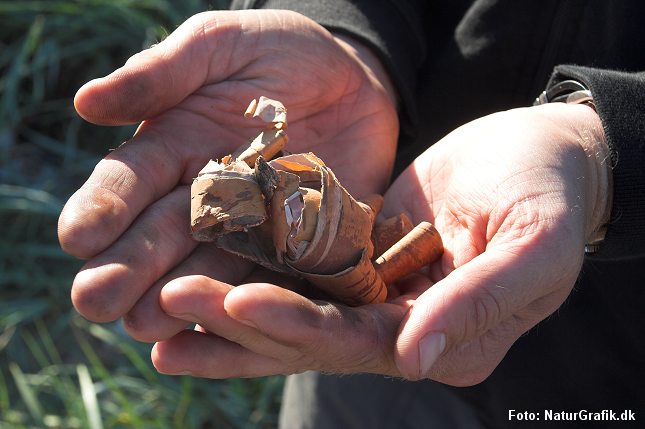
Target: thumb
[
  {"x": 203, "y": 49},
  {"x": 459, "y": 330}
]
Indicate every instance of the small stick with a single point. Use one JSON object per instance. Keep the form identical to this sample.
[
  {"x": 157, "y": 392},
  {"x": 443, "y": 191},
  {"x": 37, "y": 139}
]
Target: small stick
[
  {"x": 270, "y": 141},
  {"x": 267, "y": 145},
  {"x": 418, "y": 248}
]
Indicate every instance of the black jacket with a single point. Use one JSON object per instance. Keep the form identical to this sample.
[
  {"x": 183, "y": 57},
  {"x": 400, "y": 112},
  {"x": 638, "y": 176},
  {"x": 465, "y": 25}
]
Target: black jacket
[{"x": 456, "y": 60}]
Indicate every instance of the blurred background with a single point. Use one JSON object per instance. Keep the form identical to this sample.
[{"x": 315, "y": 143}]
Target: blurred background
[{"x": 56, "y": 369}]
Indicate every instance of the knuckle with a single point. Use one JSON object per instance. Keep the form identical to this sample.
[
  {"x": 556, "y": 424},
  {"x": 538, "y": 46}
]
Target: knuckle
[
  {"x": 100, "y": 291},
  {"x": 91, "y": 305},
  {"x": 372, "y": 340},
  {"x": 82, "y": 227},
  {"x": 487, "y": 310},
  {"x": 149, "y": 326},
  {"x": 139, "y": 331}
]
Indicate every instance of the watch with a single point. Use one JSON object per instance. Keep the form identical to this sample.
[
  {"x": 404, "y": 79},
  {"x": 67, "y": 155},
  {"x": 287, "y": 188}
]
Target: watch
[{"x": 568, "y": 91}]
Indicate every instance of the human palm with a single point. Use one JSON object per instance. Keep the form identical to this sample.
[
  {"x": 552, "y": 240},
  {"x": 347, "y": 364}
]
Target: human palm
[
  {"x": 509, "y": 195},
  {"x": 513, "y": 196},
  {"x": 131, "y": 219}
]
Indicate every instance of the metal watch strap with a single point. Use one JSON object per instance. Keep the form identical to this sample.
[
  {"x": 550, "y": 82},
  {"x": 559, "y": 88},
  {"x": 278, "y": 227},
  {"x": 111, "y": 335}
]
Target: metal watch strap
[{"x": 568, "y": 91}]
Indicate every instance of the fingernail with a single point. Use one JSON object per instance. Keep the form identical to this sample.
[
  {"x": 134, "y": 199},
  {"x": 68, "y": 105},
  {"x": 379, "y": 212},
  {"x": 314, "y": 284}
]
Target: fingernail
[{"x": 430, "y": 347}]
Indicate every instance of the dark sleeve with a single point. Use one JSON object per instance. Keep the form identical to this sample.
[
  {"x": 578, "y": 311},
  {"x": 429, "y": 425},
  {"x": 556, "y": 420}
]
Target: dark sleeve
[
  {"x": 394, "y": 30},
  {"x": 620, "y": 101}
]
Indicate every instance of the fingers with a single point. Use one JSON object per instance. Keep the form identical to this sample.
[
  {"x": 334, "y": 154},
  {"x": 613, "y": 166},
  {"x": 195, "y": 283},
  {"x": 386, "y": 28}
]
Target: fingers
[
  {"x": 160, "y": 77},
  {"x": 272, "y": 324},
  {"x": 207, "y": 48},
  {"x": 109, "y": 285},
  {"x": 147, "y": 321},
  {"x": 318, "y": 331},
  {"x": 132, "y": 177},
  {"x": 164, "y": 151},
  {"x": 120, "y": 187},
  {"x": 460, "y": 329},
  {"x": 199, "y": 299},
  {"x": 205, "y": 355}
]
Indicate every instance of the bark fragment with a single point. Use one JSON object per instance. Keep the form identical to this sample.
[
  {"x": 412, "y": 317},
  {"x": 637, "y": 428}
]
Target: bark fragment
[{"x": 292, "y": 215}]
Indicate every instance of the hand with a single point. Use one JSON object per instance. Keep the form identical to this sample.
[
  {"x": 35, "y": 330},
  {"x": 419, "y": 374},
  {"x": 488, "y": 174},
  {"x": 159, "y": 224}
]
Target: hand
[
  {"x": 131, "y": 217},
  {"x": 513, "y": 194}
]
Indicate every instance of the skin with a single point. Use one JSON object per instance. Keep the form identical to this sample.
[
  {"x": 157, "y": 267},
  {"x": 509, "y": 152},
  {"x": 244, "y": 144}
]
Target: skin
[
  {"x": 514, "y": 196},
  {"x": 130, "y": 218}
]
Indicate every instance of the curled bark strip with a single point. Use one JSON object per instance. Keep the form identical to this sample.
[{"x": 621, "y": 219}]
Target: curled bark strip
[
  {"x": 292, "y": 215},
  {"x": 357, "y": 285},
  {"x": 343, "y": 227},
  {"x": 410, "y": 254}
]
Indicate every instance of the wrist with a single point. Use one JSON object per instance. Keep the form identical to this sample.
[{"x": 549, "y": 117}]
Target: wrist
[
  {"x": 598, "y": 177},
  {"x": 598, "y": 169}
]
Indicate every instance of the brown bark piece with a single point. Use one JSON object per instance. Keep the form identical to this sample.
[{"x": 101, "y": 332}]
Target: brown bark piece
[
  {"x": 357, "y": 285},
  {"x": 417, "y": 249},
  {"x": 292, "y": 215},
  {"x": 288, "y": 185},
  {"x": 343, "y": 227},
  {"x": 225, "y": 200}
]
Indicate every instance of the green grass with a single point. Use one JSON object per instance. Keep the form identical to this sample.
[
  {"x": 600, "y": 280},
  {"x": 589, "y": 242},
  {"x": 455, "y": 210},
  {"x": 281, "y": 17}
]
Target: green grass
[{"x": 56, "y": 369}]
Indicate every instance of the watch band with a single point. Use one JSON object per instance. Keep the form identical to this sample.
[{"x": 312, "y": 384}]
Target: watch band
[{"x": 568, "y": 91}]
